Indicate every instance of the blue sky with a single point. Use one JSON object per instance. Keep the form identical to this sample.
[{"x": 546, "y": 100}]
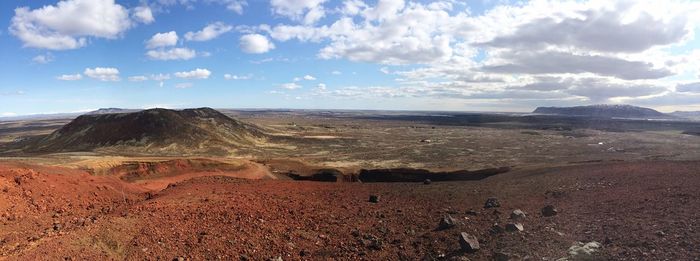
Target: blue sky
[{"x": 352, "y": 54}]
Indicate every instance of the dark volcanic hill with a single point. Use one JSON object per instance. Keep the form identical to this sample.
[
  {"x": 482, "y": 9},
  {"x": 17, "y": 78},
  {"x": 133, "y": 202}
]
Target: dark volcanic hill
[
  {"x": 202, "y": 130},
  {"x": 605, "y": 111}
]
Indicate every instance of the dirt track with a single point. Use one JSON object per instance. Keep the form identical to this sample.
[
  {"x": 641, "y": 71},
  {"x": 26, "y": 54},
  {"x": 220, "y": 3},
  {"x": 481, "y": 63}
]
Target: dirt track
[{"x": 639, "y": 211}]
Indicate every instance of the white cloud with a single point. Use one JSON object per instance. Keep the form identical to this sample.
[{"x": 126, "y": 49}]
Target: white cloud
[
  {"x": 209, "y": 32},
  {"x": 255, "y": 44},
  {"x": 290, "y": 86},
  {"x": 336, "y": 72},
  {"x": 162, "y": 40},
  {"x": 305, "y": 77},
  {"x": 321, "y": 87},
  {"x": 70, "y": 77},
  {"x": 138, "y": 78},
  {"x": 143, "y": 14},
  {"x": 295, "y": 9},
  {"x": 105, "y": 74},
  {"x": 237, "y": 77},
  {"x": 184, "y": 85},
  {"x": 67, "y": 24},
  {"x": 194, "y": 74},
  {"x": 235, "y": 5},
  {"x": 43, "y": 58},
  {"x": 160, "y": 77},
  {"x": 172, "y": 54}
]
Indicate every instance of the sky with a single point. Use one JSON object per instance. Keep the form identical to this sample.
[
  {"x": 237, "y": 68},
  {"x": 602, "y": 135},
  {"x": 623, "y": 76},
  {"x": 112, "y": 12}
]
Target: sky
[{"x": 482, "y": 55}]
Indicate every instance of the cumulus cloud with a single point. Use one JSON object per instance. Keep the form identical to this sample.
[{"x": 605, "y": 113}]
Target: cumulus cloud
[
  {"x": 309, "y": 78},
  {"x": 290, "y": 86},
  {"x": 143, "y": 14},
  {"x": 138, "y": 78},
  {"x": 388, "y": 33},
  {"x": 255, "y": 44},
  {"x": 209, "y": 32},
  {"x": 237, "y": 77},
  {"x": 172, "y": 54},
  {"x": 162, "y": 40},
  {"x": 69, "y": 23},
  {"x": 235, "y": 5},
  {"x": 560, "y": 62},
  {"x": 43, "y": 58},
  {"x": 160, "y": 77},
  {"x": 308, "y": 11},
  {"x": 69, "y": 77},
  {"x": 194, "y": 74},
  {"x": 105, "y": 74},
  {"x": 598, "y": 30}
]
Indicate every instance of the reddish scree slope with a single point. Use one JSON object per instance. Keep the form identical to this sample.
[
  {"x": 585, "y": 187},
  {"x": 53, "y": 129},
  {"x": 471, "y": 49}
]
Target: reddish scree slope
[{"x": 638, "y": 210}]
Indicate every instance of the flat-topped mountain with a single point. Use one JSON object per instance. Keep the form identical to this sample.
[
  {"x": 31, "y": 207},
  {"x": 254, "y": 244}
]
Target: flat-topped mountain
[
  {"x": 604, "y": 111},
  {"x": 201, "y": 130}
]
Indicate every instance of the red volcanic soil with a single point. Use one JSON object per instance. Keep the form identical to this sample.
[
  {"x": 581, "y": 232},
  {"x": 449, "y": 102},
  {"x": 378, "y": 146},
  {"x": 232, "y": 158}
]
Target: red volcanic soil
[{"x": 637, "y": 211}]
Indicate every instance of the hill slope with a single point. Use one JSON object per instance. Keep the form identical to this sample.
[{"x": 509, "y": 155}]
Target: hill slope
[
  {"x": 202, "y": 130},
  {"x": 604, "y": 111}
]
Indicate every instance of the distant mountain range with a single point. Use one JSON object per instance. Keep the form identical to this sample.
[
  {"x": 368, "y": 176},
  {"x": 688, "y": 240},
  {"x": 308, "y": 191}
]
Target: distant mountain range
[{"x": 606, "y": 111}]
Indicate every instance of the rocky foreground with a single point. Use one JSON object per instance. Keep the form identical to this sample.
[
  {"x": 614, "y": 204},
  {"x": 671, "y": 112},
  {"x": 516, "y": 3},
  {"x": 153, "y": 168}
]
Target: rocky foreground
[{"x": 620, "y": 211}]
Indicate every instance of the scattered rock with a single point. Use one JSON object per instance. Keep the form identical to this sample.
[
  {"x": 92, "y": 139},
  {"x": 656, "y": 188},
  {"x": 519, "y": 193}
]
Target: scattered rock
[
  {"x": 496, "y": 229},
  {"x": 447, "y": 222},
  {"x": 660, "y": 233},
  {"x": 492, "y": 203},
  {"x": 517, "y": 215},
  {"x": 514, "y": 227},
  {"x": 549, "y": 211},
  {"x": 57, "y": 226},
  {"x": 472, "y": 212},
  {"x": 279, "y": 258},
  {"x": 374, "y": 198},
  {"x": 584, "y": 251},
  {"x": 179, "y": 258},
  {"x": 427, "y": 181},
  {"x": 468, "y": 242}
]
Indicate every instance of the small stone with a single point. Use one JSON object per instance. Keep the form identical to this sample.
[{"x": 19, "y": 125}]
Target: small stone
[
  {"x": 468, "y": 242},
  {"x": 517, "y": 215},
  {"x": 179, "y": 258},
  {"x": 57, "y": 226},
  {"x": 244, "y": 258},
  {"x": 427, "y": 181},
  {"x": 549, "y": 211},
  {"x": 496, "y": 229},
  {"x": 447, "y": 222},
  {"x": 374, "y": 198},
  {"x": 492, "y": 203},
  {"x": 660, "y": 233},
  {"x": 472, "y": 212},
  {"x": 279, "y": 258},
  {"x": 514, "y": 227}
]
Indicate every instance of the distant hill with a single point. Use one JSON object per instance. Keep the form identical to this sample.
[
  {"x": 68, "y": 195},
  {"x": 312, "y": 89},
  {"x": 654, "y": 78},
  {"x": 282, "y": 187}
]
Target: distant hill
[
  {"x": 111, "y": 110},
  {"x": 691, "y": 115},
  {"x": 605, "y": 111},
  {"x": 161, "y": 131}
]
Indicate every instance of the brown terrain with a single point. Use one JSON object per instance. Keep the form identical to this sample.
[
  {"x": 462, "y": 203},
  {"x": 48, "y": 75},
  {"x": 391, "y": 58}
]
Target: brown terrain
[{"x": 404, "y": 188}]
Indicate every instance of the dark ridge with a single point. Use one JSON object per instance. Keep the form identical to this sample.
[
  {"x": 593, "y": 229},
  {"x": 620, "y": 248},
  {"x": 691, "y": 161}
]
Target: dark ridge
[
  {"x": 604, "y": 111},
  {"x": 153, "y": 129},
  {"x": 420, "y": 175}
]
